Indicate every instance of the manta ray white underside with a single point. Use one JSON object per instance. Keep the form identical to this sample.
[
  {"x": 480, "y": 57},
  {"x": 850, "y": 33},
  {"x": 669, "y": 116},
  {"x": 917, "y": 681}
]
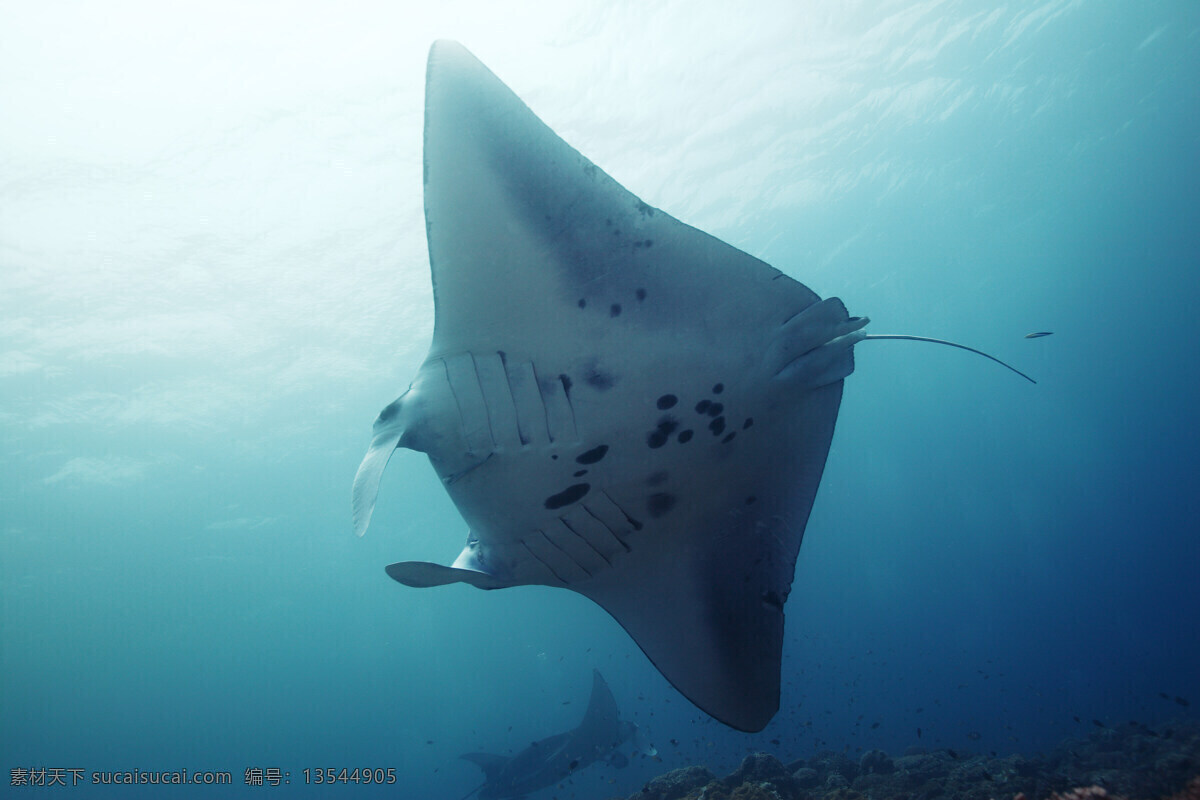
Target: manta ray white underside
[{"x": 617, "y": 403}]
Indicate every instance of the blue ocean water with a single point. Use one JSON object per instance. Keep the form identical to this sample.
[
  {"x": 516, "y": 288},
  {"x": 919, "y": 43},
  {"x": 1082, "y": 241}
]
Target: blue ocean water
[{"x": 213, "y": 276}]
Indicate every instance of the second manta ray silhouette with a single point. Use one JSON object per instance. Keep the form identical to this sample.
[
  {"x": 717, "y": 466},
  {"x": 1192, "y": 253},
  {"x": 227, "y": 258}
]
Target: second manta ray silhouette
[
  {"x": 617, "y": 403},
  {"x": 550, "y": 760}
]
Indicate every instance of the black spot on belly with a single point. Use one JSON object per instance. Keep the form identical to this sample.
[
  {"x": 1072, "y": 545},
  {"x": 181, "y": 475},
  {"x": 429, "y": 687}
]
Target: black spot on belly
[
  {"x": 702, "y": 406},
  {"x": 567, "y": 496},
  {"x": 667, "y": 401},
  {"x": 717, "y": 426},
  {"x": 715, "y": 410},
  {"x": 593, "y": 455},
  {"x": 720, "y": 387},
  {"x": 614, "y": 310},
  {"x": 750, "y": 499},
  {"x": 657, "y": 478},
  {"x": 659, "y": 503},
  {"x": 749, "y": 421},
  {"x": 685, "y": 436},
  {"x": 658, "y": 437},
  {"x": 579, "y": 473},
  {"x": 641, "y": 294},
  {"x": 582, "y": 303},
  {"x": 729, "y": 437}
]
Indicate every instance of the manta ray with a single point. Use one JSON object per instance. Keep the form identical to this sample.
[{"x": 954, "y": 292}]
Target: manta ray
[
  {"x": 617, "y": 403},
  {"x": 548, "y": 761}
]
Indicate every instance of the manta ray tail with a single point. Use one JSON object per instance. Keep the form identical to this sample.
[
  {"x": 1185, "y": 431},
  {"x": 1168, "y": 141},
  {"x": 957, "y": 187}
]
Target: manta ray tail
[{"x": 950, "y": 344}]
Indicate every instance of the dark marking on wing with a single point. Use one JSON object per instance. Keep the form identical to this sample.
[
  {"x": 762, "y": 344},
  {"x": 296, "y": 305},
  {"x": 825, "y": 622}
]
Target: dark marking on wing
[
  {"x": 659, "y": 503},
  {"x": 715, "y": 409},
  {"x": 571, "y": 494},
  {"x": 658, "y": 437},
  {"x": 720, "y": 387},
  {"x": 579, "y": 473},
  {"x": 685, "y": 436},
  {"x": 729, "y": 437},
  {"x": 593, "y": 455},
  {"x": 667, "y": 401},
  {"x": 717, "y": 426},
  {"x": 748, "y": 423},
  {"x": 702, "y": 406}
]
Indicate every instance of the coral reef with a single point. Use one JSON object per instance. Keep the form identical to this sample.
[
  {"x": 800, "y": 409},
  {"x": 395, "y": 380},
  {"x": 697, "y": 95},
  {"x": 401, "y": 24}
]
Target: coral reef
[
  {"x": 1131, "y": 761},
  {"x": 1083, "y": 793},
  {"x": 1191, "y": 792},
  {"x": 676, "y": 784}
]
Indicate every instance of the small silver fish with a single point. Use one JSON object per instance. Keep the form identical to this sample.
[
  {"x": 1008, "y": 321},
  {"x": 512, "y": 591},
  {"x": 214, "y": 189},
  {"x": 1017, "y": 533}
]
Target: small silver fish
[{"x": 1038, "y": 335}]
